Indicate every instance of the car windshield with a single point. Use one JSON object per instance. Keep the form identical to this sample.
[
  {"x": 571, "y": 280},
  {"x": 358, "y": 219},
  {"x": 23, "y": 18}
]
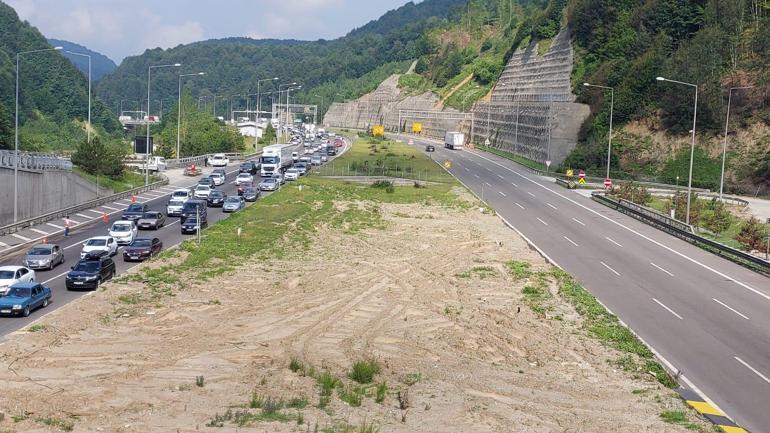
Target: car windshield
[
  {"x": 219, "y": 157},
  {"x": 291, "y": 170},
  {"x": 40, "y": 251},
  {"x": 202, "y": 188},
  {"x": 96, "y": 242},
  {"x": 216, "y": 194},
  {"x": 6, "y": 275},
  {"x": 141, "y": 243},
  {"x": 232, "y": 200},
  {"x": 87, "y": 266},
  {"x": 251, "y": 190},
  {"x": 121, "y": 228},
  {"x": 180, "y": 194},
  {"x": 244, "y": 176},
  {"x": 269, "y": 180},
  {"x": 269, "y": 159},
  {"x": 246, "y": 165},
  {"x": 191, "y": 220},
  {"x": 150, "y": 215},
  {"x": 190, "y": 206},
  {"x": 176, "y": 203},
  {"x": 135, "y": 208},
  {"x": 21, "y": 292}
]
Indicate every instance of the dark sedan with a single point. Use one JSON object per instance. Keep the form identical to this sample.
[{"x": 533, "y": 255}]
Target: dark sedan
[
  {"x": 142, "y": 248},
  {"x": 430, "y": 148},
  {"x": 207, "y": 181},
  {"x": 216, "y": 198},
  {"x": 251, "y": 194},
  {"x": 135, "y": 211},
  {"x": 90, "y": 272},
  {"x": 151, "y": 220},
  {"x": 248, "y": 167},
  {"x": 190, "y": 225}
]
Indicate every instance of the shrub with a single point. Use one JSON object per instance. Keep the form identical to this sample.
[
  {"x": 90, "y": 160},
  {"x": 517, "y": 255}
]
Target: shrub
[
  {"x": 752, "y": 235},
  {"x": 363, "y": 371}
]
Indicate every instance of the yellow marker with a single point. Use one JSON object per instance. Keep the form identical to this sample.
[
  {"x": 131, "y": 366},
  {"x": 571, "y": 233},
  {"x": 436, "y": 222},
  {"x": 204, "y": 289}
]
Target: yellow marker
[
  {"x": 703, "y": 407},
  {"x": 582, "y": 181},
  {"x": 447, "y": 164},
  {"x": 570, "y": 173}
]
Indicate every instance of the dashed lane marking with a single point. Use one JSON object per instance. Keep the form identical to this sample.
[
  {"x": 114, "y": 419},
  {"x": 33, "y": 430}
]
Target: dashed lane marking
[
  {"x": 579, "y": 222},
  {"x": 83, "y": 216},
  {"x": 668, "y": 309},
  {"x": 544, "y": 223},
  {"x": 501, "y": 193},
  {"x": 109, "y": 207},
  {"x": 530, "y": 194},
  {"x": 552, "y": 206},
  {"x": 571, "y": 241},
  {"x": 610, "y": 239},
  {"x": 18, "y": 236},
  {"x": 730, "y": 308},
  {"x": 611, "y": 270},
  {"x": 56, "y": 226},
  {"x": 662, "y": 270},
  {"x": 38, "y": 231},
  {"x": 522, "y": 207}
]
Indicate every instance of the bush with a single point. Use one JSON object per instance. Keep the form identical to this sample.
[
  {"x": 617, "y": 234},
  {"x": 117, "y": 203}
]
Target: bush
[
  {"x": 363, "y": 371},
  {"x": 719, "y": 219},
  {"x": 752, "y": 235}
]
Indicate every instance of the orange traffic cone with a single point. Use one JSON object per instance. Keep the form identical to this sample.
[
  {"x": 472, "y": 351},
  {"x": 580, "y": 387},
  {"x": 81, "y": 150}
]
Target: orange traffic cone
[
  {"x": 105, "y": 218},
  {"x": 133, "y": 199},
  {"x": 45, "y": 240}
]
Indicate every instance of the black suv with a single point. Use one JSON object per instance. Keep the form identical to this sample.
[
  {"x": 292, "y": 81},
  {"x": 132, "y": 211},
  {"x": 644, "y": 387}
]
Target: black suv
[
  {"x": 91, "y": 271},
  {"x": 216, "y": 198},
  {"x": 248, "y": 167}
]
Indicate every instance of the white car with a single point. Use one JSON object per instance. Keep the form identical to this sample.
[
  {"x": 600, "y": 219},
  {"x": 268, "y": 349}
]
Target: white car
[
  {"x": 174, "y": 206},
  {"x": 324, "y": 158},
  {"x": 244, "y": 178},
  {"x": 219, "y": 178},
  {"x": 291, "y": 174},
  {"x": 202, "y": 191},
  {"x": 124, "y": 232},
  {"x": 181, "y": 193},
  {"x": 219, "y": 160},
  {"x": 10, "y": 275},
  {"x": 99, "y": 243},
  {"x": 295, "y": 156}
]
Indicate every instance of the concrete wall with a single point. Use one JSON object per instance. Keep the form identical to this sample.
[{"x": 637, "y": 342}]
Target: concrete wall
[{"x": 43, "y": 192}]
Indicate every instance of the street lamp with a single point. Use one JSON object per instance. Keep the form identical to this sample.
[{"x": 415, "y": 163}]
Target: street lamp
[
  {"x": 612, "y": 107},
  {"x": 724, "y": 146},
  {"x": 230, "y": 102},
  {"x": 692, "y": 146},
  {"x": 179, "y": 110},
  {"x": 16, "y": 134},
  {"x": 322, "y": 106},
  {"x": 259, "y": 101},
  {"x": 147, "y": 144},
  {"x": 288, "y": 94},
  {"x": 294, "y": 83}
]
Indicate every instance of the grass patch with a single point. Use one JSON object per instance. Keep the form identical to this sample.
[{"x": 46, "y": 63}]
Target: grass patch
[
  {"x": 606, "y": 327},
  {"x": 678, "y": 417},
  {"x": 327, "y": 382},
  {"x": 61, "y": 424},
  {"x": 39, "y": 327},
  {"x": 410, "y": 379},
  {"x": 480, "y": 272},
  {"x": 513, "y": 157},
  {"x": 363, "y": 371},
  {"x": 296, "y": 365},
  {"x": 519, "y": 270},
  {"x": 352, "y": 395},
  {"x": 381, "y": 392},
  {"x": 128, "y": 180}
]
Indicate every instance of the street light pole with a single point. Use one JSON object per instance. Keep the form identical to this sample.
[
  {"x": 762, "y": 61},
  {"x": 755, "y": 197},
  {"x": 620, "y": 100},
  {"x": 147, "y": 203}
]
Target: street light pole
[
  {"x": 322, "y": 106},
  {"x": 279, "y": 102},
  {"x": 147, "y": 143},
  {"x": 724, "y": 146},
  {"x": 179, "y": 112},
  {"x": 288, "y": 94},
  {"x": 612, "y": 108},
  {"x": 259, "y": 101},
  {"x": 692, "y": 146},
  {"x": 16, "y": 135}
]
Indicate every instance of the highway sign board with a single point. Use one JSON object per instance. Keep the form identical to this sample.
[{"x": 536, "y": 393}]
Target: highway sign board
[
  {"x": 548, "y": 163},
  {"x": 411, "y": 141},
  {"x": 607, "y": 183},
  {"x": 570, "y": 173},
  {"x": 582, "y": 181},
  {"x": 582, "y": 174}
]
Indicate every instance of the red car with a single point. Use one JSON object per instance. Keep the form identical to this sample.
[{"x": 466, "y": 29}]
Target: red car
[{"x": 142, "y": 248}]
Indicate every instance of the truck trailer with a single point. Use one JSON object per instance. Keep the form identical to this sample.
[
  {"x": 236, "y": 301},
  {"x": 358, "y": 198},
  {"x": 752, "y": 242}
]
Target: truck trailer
[
  {"x": 275, "y": 158},
  {"x": 454, "y": 140}
]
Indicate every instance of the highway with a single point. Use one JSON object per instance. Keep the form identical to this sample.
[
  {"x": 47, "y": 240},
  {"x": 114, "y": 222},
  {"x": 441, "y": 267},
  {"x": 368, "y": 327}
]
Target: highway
[{"x": 705, "y": 316}]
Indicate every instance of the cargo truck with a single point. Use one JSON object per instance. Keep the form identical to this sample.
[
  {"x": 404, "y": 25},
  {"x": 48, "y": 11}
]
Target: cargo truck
[
  {"x": 275, "y": 158},
  {"x": 454, "y": 140}
]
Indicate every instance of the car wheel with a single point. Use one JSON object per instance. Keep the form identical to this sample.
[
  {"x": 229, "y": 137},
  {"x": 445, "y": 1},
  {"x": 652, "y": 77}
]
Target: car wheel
[
  {"x": 46, "y": 301},
  {"x": 26, "y": 311},
  {"x": 50, "y": 266}
]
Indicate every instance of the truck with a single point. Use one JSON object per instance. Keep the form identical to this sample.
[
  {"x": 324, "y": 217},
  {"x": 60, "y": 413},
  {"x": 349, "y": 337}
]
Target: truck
[
  {"x": 454, "y": 140},
  {"x": 141, "y": 162},
  {"x": 275, "y": 158}
]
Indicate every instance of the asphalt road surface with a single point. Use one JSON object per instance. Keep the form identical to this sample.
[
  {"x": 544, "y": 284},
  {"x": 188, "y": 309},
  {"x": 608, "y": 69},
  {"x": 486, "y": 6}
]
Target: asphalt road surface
[{"x": 703, "y": 315}]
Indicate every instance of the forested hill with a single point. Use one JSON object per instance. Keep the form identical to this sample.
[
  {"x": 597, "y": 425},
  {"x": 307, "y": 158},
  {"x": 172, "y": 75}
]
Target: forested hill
[
  {"x": 51, "y": 88},
  {"x": 101, "y": 65},
  {"x": 362, "y": 59}
]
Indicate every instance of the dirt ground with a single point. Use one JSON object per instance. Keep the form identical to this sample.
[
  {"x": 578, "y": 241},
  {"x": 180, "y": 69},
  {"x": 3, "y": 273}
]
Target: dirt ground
[{"x": 429, "y": 297}]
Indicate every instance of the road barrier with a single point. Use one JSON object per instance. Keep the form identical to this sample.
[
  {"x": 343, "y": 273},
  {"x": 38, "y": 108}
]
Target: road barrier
[
  {"x": 34, "y": 161},
  {"x": 682, "y": 231},
  {"x": 61, "y": 213}
]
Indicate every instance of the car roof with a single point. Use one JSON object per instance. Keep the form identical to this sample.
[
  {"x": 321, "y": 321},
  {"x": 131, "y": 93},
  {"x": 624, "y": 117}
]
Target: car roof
[
  {"x": 99, "y": 237},
  {"x": 28, "y": 285},
  {"x": 182, "y": 190},
  {"x": 49, "y": 246},
  {"x": 10, "y": 268}
]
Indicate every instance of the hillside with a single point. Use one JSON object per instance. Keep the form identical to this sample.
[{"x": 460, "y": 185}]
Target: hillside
[
  {"x": 234, "y": 65},
  {"x": 52, "y": 91},
  {"x": 101, "y": 65}
]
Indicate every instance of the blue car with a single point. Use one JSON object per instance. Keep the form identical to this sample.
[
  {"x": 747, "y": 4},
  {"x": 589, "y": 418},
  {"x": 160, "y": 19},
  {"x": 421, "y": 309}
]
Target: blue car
[{"x": 22, "y": 298}]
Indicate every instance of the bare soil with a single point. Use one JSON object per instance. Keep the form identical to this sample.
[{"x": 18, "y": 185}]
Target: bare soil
[{"x": 466, "y": 351}]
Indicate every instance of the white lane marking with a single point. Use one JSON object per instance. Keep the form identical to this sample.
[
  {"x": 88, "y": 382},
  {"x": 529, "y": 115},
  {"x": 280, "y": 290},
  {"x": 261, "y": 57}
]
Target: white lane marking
[
  {"x": 611, "y": 270},
  {"x": 514, "y": 185},
  {"x": 501, "y": 193},
  {"x": 500, "y": 176},
  {"x": 477, "y": 176},
  {"x": 18, "y": 236},
  {"x": 552, "y": 206},
  {"x": 579, "y": 222},
  {"x": 647, "y": 238},
  {"x": 544, "y": 223},
  {"x": 74, "y": 222},
  {"x": 94, "y": 211},
  {"x": 754, "y": 370},
  {"x": 487, "y": 184},
  {"x": 530, "y": 194},
  {"x": 571, "y": 241},
  {"x": 110, "y": 208},
  {"x": 668, "y": 309},
  {"x": 522, "y": 207},
  {"x": 609, "y": 239},
  {"x": 466, "y": 169},
  {"x": 39, "y": 231},
  {"x": 730, "y": 308},
  {"x": 661, "y": 269},
  {"x": 123, "y": 202},
  {"x": 55, "y": 226},
  {"x": 3, "y": 245},
  {"x": 53, "y": 278},
  {"x": 83, "y": 216}
]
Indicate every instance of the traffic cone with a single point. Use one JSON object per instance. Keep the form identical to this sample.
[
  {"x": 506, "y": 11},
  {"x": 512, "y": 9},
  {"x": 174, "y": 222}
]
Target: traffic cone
[
  {"x": 133, "y": 198},
  {"x": 45, "y": 240},
  {"x": 105, "y": 218}
]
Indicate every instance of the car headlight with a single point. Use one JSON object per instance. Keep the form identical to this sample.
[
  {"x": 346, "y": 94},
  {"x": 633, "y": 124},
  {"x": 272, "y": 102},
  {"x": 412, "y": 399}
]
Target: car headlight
[
  {"x": 17, "y": 307},
  {"x": 91, "y": 278}
]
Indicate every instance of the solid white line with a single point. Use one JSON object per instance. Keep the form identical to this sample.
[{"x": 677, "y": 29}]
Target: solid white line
[
  {"x": 487, "y": 184},
  {"x": 668, "y": 309},
  {"x": 544, "y": 223},
  {"x": 3, "y": 245},
  {"x": 571, "y": 241},
  {"x": 730, "y": 308},
  {"x": 39, "y": 231},
  {"x": 579, "y": 222},
  {"x": 51, "y": 279},
  {"x": 108, "y": 207},
  {"x": 500, "y": 177},
  {"x": 552, "y": 206},
  {"x": 612, "y": 270},
  {"x": 516, "y": 186},
  {"x": 647, "y": 238},
  {"x": 621, "y": 246},
  {"x": 501, "y": 193},
  {"x": 477, "y": 176},
  {"x": 522, "y": 207},
  {"x": 530, "y": 194},
  {"x": 754, "y": 370},
  {"x": 669, "y": 273},
  {"x": 55, "y": 226},
  {"x": 84, "y": 216},
  {"x": 17, "y": 236},
  {"x": 94, "y": 211}
]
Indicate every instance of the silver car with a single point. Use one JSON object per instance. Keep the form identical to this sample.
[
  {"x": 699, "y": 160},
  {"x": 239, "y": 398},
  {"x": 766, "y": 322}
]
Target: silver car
[
  {"x": 269, "y": 184},
  {"x": 44, "y": 256},
  {"x": 233, "y": 203}
]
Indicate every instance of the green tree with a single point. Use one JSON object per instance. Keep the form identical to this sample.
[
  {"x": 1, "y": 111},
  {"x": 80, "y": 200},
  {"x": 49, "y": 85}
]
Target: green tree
[
  {"x": 100, "y": 157},
  {"x": 719, "y": 219},
  {"x": 6, "y": 130},
  {"x": 269, "y": 135},
  {"x": 752, "y": 235}
]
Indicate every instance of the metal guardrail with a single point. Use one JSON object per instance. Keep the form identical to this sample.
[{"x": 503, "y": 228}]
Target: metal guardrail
[
  {"x": 747, "y": 260},
  {"x": 34, "y": 161},
  {"x": 13, "y": 228}
]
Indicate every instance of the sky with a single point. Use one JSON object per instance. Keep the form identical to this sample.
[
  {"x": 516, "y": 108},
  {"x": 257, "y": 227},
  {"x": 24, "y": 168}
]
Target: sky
[{"x": 121, "y": 28}]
